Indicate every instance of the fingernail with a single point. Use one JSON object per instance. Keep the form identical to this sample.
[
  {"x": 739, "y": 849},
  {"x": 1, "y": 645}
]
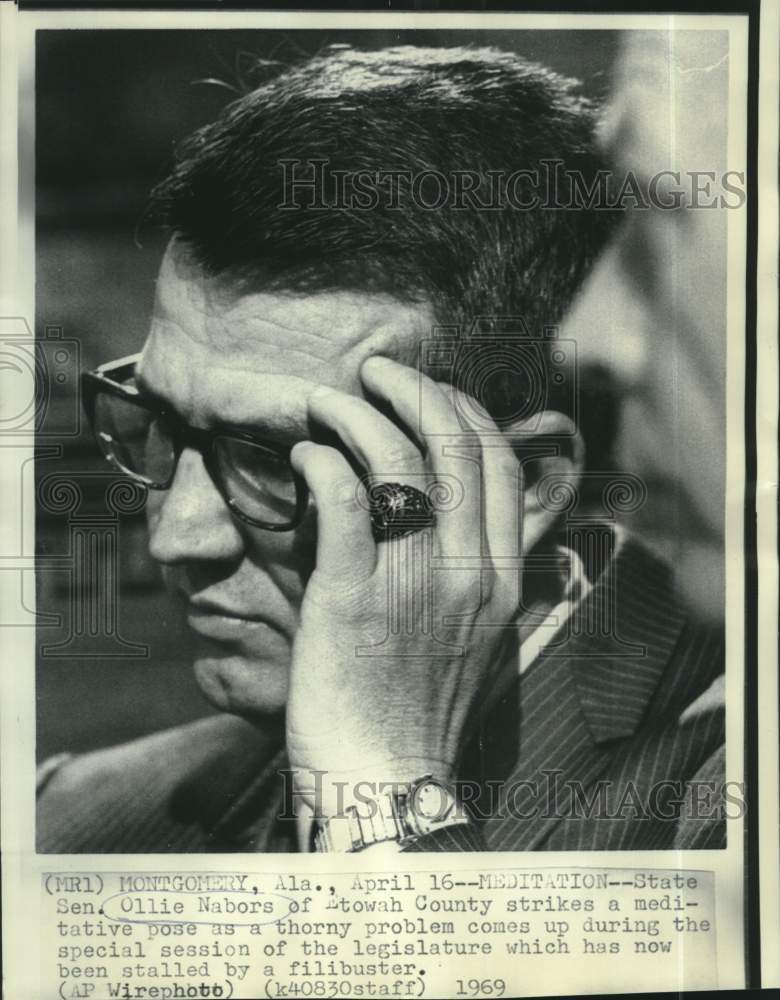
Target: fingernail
[
  {"x": 376, "y": 360},
  {"x": 321, "y": 390}
]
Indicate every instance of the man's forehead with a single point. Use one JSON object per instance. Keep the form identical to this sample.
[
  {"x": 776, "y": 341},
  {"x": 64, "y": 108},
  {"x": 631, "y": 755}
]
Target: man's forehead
[
  {"x": 229, "y": 353},
  {"x": 323, "y": 323}
]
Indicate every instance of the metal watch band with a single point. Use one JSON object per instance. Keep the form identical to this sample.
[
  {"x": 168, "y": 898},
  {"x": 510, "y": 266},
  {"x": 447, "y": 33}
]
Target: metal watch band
[
  {"x": 355, "y": 830},
  {"x": 389, "y": 817}
]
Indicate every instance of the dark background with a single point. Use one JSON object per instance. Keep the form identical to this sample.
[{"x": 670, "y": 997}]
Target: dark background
[{"x": 110, "y": 107}]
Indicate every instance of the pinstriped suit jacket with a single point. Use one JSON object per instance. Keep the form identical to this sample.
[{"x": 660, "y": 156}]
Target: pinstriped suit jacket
[{"x": 613, "y": 739}]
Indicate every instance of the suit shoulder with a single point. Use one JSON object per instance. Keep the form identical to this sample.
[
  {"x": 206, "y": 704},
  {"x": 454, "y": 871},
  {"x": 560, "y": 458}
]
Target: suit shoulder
[
  {"x": 702, "y": 824},
  {"x": 87, "y": 802},
  {"x": 172, "y": 752}
]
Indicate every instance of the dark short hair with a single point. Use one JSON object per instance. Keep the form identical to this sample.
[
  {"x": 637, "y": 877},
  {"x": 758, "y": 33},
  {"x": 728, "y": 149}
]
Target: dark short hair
[{"x": 410, "y": 109}]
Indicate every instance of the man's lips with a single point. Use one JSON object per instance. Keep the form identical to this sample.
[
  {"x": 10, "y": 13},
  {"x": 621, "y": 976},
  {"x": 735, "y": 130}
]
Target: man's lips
[{"x": 222, "y": 624}]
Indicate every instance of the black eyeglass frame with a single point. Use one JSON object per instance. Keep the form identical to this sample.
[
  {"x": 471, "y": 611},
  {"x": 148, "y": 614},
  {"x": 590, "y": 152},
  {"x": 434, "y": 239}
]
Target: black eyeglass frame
[{"x": 105, "y": 379}]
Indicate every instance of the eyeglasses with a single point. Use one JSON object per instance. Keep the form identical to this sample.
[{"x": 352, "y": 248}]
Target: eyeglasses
[{"x": 144, "y": 440}]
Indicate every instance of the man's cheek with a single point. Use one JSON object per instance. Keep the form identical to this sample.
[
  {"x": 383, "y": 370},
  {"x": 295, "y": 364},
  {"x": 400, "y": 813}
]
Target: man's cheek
[{"x": 290, "y": 557}]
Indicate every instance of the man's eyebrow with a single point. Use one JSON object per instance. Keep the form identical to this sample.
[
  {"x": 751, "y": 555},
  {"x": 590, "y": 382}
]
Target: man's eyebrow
[
  {"x": 145, "y": 391},
  {"x": 281, "y": 433}
]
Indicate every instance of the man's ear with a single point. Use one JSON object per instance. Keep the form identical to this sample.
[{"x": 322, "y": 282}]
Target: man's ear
[{"x": 551, "y": 449}]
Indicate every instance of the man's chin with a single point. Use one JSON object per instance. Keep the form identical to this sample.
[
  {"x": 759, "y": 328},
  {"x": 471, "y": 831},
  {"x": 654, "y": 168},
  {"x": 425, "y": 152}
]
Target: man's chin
[{"x": 243, "y": 686}]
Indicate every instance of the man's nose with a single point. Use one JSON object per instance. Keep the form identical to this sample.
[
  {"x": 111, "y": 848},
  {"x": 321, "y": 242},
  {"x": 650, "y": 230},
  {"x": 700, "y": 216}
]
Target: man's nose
[{"x": 190, "y": 521}]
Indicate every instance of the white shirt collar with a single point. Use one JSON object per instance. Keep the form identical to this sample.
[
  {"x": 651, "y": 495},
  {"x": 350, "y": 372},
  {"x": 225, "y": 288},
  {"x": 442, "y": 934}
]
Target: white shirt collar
[{"x": 576, "y": 589}]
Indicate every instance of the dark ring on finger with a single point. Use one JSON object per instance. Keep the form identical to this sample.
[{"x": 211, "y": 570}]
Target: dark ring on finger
[{"x": 397, "y": 510}]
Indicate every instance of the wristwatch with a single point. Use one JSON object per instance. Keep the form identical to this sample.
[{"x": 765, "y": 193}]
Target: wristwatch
[{"x": 401, "y": 816}]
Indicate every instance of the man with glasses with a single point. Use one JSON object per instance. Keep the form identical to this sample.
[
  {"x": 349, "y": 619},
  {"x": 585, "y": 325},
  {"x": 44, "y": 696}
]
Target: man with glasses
[{"x": 356, "y": 430}]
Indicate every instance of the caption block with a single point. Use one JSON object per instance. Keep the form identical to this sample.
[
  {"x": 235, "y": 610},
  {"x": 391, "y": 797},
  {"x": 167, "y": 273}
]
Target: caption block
[{"x": 166, "y": 935}]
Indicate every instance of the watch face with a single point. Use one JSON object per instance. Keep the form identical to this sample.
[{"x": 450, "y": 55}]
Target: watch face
[{"x": 432, "y": 801}]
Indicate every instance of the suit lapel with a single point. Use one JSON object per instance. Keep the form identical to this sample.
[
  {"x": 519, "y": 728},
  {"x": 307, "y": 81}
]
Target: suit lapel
[
  {"x": 233, "y": 799},
  {"x": 258, "y": 822},
  {"x": 585, "y": 692}
]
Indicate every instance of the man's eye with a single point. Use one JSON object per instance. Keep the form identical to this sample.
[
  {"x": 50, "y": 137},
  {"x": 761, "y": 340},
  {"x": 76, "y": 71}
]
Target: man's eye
[
  {"x": 254, "y": 463},
  {"x": 250, "y": 458},
  {"x": 259, "y": 482}
]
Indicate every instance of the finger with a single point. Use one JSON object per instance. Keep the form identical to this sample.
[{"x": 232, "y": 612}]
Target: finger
[
  {"x": 452, "y": 448},
  {"x": 345, "y": 545},
  {"x": 380, "y": 447},
  {"x": 502, "y": 483}
]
